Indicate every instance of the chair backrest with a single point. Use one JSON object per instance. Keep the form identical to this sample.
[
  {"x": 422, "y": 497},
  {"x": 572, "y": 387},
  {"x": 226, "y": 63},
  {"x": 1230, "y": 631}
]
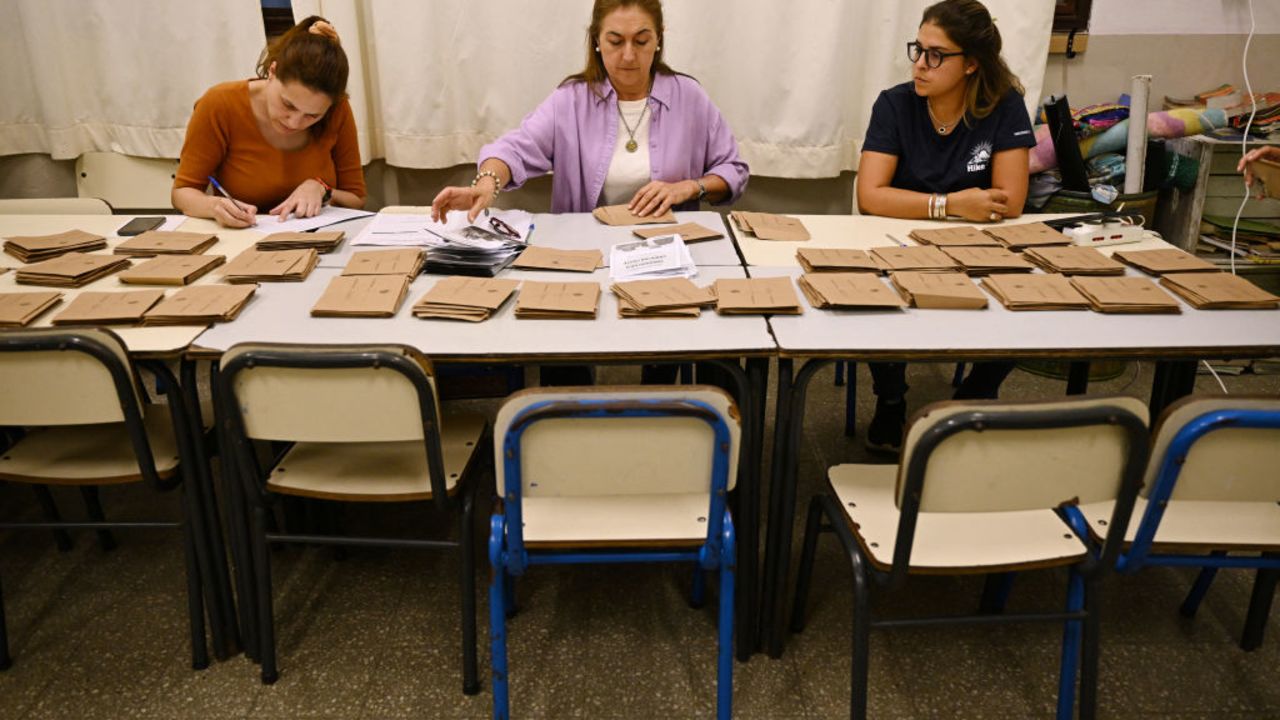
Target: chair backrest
[
  {"x": 127, "y": 182},
  {"x": 57, "y": 376},
  {"x": 992, "y": 456},
  {"x": 1227, "y": 463},
  {"x": 54, "y": 206},
  {"x": 330, "y": 393},
  {"x": 622, "y": 453}
]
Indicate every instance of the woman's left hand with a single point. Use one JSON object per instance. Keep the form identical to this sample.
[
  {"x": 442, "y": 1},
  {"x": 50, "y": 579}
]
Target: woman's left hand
[
  {"x": 658, "y": 197},
  {"x": 307, "y": 200}
]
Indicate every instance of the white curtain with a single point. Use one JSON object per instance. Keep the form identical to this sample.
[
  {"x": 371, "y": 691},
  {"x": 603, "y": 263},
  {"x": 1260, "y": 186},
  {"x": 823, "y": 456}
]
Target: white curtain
[
  {"x": 115, "y": 75},
  {"x": 434, "y": 81}
]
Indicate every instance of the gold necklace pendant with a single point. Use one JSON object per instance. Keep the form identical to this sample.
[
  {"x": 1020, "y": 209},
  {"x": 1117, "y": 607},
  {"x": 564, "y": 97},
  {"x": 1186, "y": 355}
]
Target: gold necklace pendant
[{"x": 631, "y": 145}]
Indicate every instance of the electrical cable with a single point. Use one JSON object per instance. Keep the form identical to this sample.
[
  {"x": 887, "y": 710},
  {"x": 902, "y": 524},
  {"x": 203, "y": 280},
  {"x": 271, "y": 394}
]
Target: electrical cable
[{"x": 1244, "y": 138}]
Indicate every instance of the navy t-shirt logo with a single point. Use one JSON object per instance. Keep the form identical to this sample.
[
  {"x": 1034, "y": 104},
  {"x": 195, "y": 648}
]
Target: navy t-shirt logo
[{"x": 979, "y": 157}]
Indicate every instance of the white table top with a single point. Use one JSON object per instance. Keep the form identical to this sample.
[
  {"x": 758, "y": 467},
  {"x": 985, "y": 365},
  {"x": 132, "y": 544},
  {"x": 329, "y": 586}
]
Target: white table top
[
  {"x": 997, "y": 332},
  {"x": 280, "y": 312}
]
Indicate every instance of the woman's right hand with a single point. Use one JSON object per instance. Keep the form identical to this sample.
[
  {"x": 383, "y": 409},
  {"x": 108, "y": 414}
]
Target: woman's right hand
[
  {"x": 978, "y": 205},
  {"x": 232, "y": 214},
  {"x": 472, "y": 199}
]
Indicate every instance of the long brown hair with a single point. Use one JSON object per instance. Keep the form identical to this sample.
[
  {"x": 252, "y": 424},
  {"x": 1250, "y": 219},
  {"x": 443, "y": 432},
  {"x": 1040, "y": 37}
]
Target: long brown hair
[
  {"x": 594, "y": 74},
  {"x": 969, "y": 25},
  {"x": 316, "y": 61}
]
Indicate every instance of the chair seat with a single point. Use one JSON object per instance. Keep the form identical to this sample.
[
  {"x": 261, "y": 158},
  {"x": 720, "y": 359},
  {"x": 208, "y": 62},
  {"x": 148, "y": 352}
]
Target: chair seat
[
  {"x": 678, "y": 519},
  {"x": 90, "y": 454},
  {"x": 1200, "y": 525},
  {"x": 949, "y": 542},
  {"x": 377, "y": 471}
]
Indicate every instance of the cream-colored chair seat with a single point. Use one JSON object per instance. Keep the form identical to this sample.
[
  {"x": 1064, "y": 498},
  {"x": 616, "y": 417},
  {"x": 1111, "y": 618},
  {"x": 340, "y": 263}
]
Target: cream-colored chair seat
[
  {"x": 661, "y": 519},
  {"x": 90, "y": 454},
  {"x": 1200, "y": 525},
  {"x": 376, "y": 471},
  {"x": 949, "y": 542}
]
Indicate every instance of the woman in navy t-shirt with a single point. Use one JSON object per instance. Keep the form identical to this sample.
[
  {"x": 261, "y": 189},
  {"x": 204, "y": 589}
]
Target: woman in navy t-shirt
[{"x": 953, "y": 142}]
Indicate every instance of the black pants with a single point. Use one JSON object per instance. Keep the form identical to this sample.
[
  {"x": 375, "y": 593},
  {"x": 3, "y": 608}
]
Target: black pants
[{"x": 889, "y": 380}]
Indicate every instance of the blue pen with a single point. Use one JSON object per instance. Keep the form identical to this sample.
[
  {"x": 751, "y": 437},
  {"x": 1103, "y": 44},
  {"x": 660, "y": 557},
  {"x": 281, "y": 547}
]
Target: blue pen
[{"x": 218, "y": 186}]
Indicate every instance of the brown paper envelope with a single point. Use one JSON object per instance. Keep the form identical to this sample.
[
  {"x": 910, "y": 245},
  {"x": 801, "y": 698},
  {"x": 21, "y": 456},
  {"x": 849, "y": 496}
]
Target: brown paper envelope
[
  {"x": 628, "y": 310},
  {"x": 963, "y": 236},
  {"x": 663, "y": 293},
  {"x": 545, "y": 258},
  {"x": 362, "y": 296},
  {"x": 835, "y": 260},
  {"x": 1036, "y": 292},
  {"x": 1125, "y": 295},
  {"x": 34, "y": 248},
  {"x": 893, "y": 258},
  {"x": 620, "y": 215},
  {"x": 1164, "y": 260},
  {"x": 852, "y": 290},
  {"x": 103, "y": 308},
  {"x": 200, "y": 304},
  {"x": 73, "y": 269},
  {"x": 1073, "y": 260},
  {"x": 486, "y": 293},
  {"x": 320, "y": 239},
  {"x": 401, "y": 261},
  {"x": 157, "y": 242},
  {"x": 768, "y": 226},
  {"x": 939, "y": 290},
  {"x": 573, "y": 298},
  {"x": 987, "y": 259},
  {"x": 757, "y": 295},
  {"x": 1219, "y": 291},
  {"x": 1027, "y": 235},
  {"x": 170, "y": 269},
  {"x": 445, "y": 312},
  {"x": 689, "y": 232},
  {"x": 253, "y": 265},
  {"x": 19, "y": 308}
]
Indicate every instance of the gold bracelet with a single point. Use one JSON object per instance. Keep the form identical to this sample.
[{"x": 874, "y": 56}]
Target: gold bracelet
[{"x": 497, "y": 181}]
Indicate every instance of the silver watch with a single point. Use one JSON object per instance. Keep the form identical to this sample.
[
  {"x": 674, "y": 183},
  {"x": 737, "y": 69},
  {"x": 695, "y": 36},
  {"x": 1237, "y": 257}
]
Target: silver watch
[{"x": 702, "y": 190}]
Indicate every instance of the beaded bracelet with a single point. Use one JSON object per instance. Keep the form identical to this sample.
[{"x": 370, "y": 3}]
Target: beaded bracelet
[{"x": 497, "y": 181}]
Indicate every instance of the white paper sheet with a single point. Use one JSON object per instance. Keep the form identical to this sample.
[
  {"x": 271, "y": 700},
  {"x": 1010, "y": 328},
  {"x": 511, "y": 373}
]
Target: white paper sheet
[
  {"x": 328, "y": 216},
  {"x": 419, "y": 230},
  {"x": 665, "y": 256}
]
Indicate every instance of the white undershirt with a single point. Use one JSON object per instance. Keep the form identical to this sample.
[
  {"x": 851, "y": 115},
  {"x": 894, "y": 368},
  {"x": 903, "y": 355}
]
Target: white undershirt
[{"x": 628, "y": 171}]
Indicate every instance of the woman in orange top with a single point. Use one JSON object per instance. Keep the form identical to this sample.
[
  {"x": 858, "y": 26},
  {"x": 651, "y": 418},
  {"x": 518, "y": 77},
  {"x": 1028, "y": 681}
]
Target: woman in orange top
[{"x": 282, "y": 143}]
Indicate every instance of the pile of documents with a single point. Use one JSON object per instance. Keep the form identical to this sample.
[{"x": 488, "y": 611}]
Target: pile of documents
[
  {"x": 835, "y": 260},
  {"x": 402, "y": 261},
  {"x": 1125, "y": 295},
  {"x": 34, "y": 248},
  {"x": 200, "y": 305},
  {"x": 472, "y": 251},
  {"x": 1219, "y": 291},
  {"x": 108, "y": 308},
  {"x": 768, "y": 226},
  {"x": 656, "y": 257},
  {"x": 1073, "y": 260},
  {"x": 1025, "y": 235},
  {"x": 1035, "y": 292},
  {"x": 464, "y": 298},
  {"x": 71, "y": 270},
  {"x": 253, "y": 266},
  {"x": 456, "y": 247},
  {"x": 620, "y": 215},
  {"x": 755, "y": 296},
  {"x": 895, "y": 259},
  {"x": 157, "y": 242},
  {"x": 962, "y": 236},
  {"x": 324, "y": 241},
  {"x": 1166, "y": 260},
  {"x": 537, "y": 257},
  {"x": 19, "y": 308},
  {"x": 672, "y": 297},
  {"x": 848, "y": 290},
  {"x": 987, "y": 260},
  {"x": 558, "y": 301},
  {"x": 938, "y": 290},
  {"x": 171, "y": 269},
  {"x": 689, "y": 232},
  {"x": 374, "y": 296}
]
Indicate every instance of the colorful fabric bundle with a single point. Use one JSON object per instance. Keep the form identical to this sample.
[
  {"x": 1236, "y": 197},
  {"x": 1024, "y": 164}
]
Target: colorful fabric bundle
[{"x": 1179, "y": 122}]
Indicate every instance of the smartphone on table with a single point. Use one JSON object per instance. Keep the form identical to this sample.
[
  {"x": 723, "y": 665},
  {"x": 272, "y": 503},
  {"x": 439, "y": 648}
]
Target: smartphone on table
[{"x": 139, "y": 225}]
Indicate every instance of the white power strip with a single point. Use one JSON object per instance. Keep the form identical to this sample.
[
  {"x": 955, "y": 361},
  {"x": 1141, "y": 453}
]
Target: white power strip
[{"x": 1092, "y": 235}]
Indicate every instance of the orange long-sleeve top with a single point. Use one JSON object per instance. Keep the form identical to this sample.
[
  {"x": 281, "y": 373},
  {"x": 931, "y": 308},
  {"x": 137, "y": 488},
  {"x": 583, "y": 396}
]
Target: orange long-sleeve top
[{"x": 223, "y": 140}]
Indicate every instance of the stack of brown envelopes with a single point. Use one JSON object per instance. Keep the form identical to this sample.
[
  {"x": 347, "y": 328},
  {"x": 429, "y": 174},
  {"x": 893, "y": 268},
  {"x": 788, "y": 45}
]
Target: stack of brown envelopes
[
  {"x": 1025, "y": 235},
  {"x": 537, "y": 257},
  {"x": 1128, "y": 295},
  {"x": 835, "y": 260},
  {"x": 831, "y": 291},
  {"x": 938, "y": 290},
  {"x": 71, "y": 270},
  {"x": 1165, "y": 260},
  {"x": 558, "y": 301},
  {"x": 755, "y": 296},
  {"x": 667, "y": 297},
  {"x": 620, "y": 215},
  {"x": 1035, "y": 292},
  {"x": 1073, "y": 260},
  {"x": 894, "y": 259},
  {"x": 108, "y": 308},
  {"x": 464, "y": 298},
  {"x": 401, "y": 261},
  {"x": 19, "y": 308},
  {"x": 962, "y": 236},
  {"x": 688, "y": 232},
  {"x": 158, "y": 242},
  {"x": 375, "y": 296},
  {"x": 768, "y": 226},
  {"x": 1219, "y": 291},
  {"x": 171, "y": 269},
  {"x": 987, "y": 260},
  {"x": 34, "y": 248},
  {"x": 200, "y": 305},
  {"x": 322, "y": 241},
  {"x": 252, "y": 266}
]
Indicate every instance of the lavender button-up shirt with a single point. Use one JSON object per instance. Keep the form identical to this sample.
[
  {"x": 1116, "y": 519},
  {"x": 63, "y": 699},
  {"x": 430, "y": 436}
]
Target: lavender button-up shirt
[{"x": 573, "y": 133}]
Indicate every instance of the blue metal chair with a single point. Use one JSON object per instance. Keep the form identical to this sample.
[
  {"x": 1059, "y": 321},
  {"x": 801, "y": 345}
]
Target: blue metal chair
[
  {"x": 984, "y": 488},
  {"x": 1211, "y": 499},
  {"x": 614, "y": 475}
]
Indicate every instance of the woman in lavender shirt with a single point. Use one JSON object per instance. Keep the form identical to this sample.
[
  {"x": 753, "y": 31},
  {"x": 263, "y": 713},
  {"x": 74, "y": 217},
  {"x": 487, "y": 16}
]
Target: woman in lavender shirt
[{"x": 626, "y": 130}]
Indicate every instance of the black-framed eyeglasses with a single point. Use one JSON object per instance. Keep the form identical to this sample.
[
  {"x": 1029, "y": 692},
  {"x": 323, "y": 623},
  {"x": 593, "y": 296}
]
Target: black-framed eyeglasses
[
  {"x": 932, "y": 57},
  {"x": 503, "y": 228}
]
